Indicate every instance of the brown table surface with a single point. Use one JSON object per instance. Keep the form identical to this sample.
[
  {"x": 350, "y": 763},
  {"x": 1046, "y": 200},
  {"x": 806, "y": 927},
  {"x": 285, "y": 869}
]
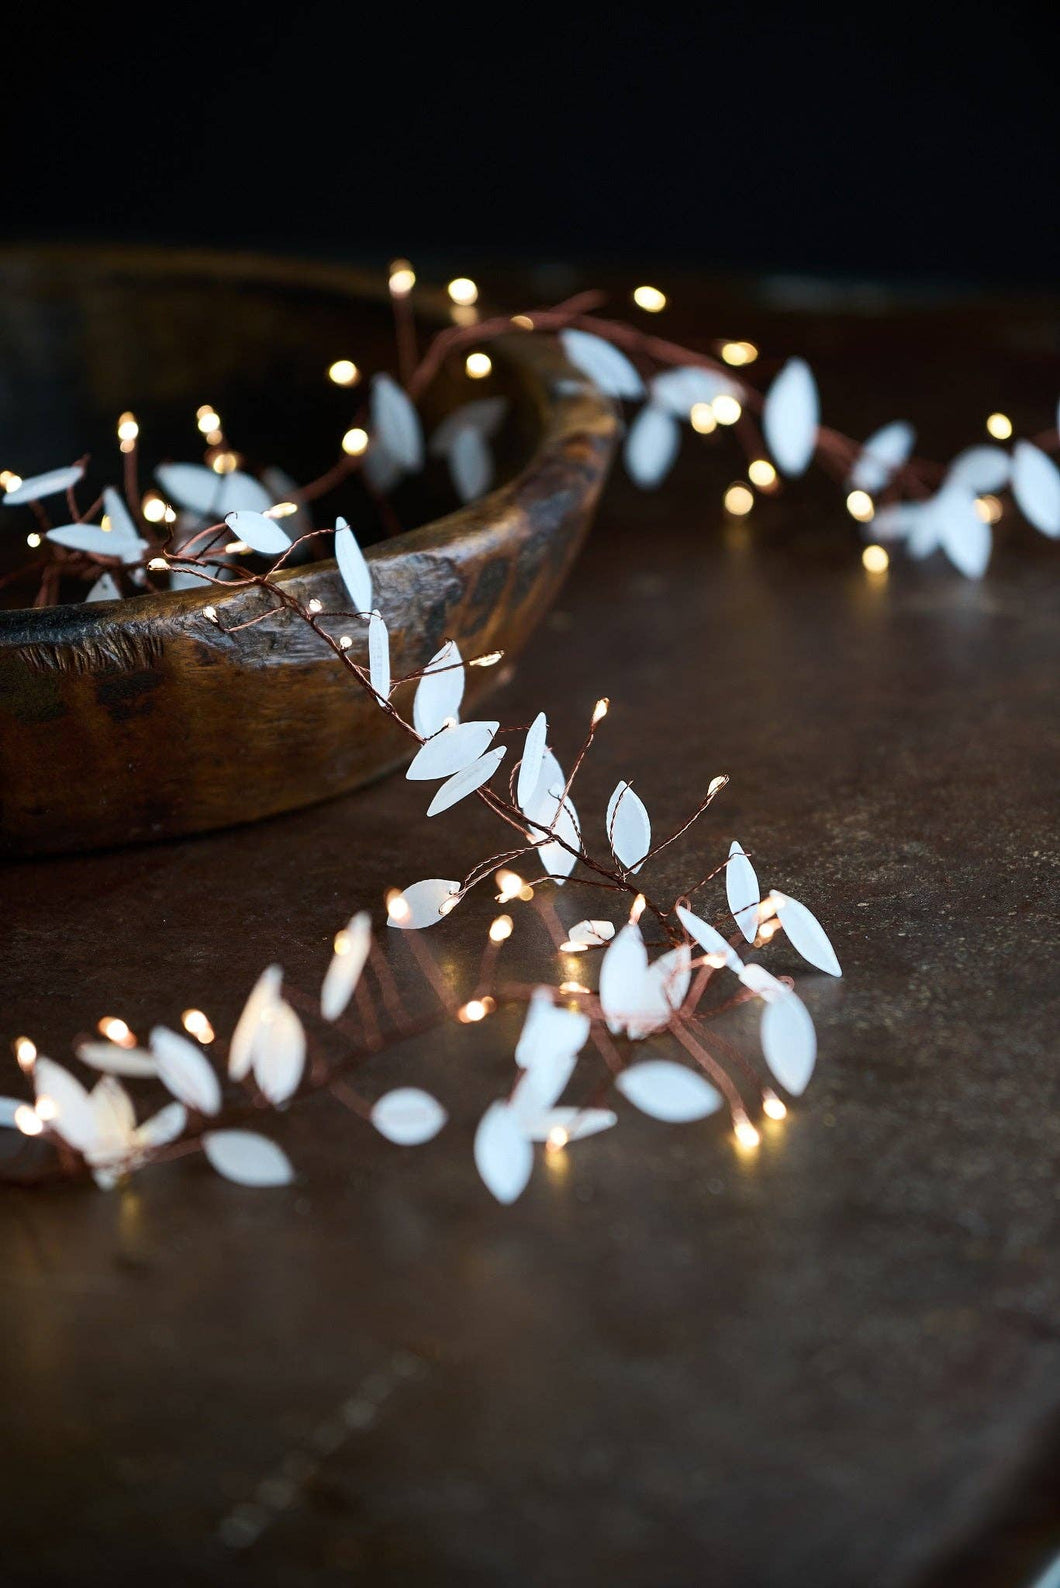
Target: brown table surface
[{"x": 835, "y": 1364}]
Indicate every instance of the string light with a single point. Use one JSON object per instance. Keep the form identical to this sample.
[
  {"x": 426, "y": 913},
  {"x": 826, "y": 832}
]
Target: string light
[
  {"x": 511, "y": 886},
  {"x": 762, "y": 473},
  {"x": 224, "y": 463},
  {"x": 25, "y": 1053},
  {"x": 572, "y": 987},
  {"x": 637, "y": 909},
  {"x": 501, "y": 929},
  {"x": 490, "y": 659},
  {"x": 344, "y": 372},
  {"x": 475, "y": 1009},
  {"x": 726, "y": 409},
  {"x": 128, "y": 429},
  {"x": 861, "y": 506},
  {"x": 116, "y": 1031},
  {"x": 557, "y": 1139},
  {"x": 703, "y": 418},
  {"x": 197, "y": 1025},
  {"x": 716, "y": 784},
  {"x": 600, "y": 709},
  {"x": 447, "y": 906},
  {"x": 316, "y": 605},
  {"x": 739, "y": 500},
  {"x": 649, "y": 298},
  {"x": 999, "y": 426},
  {"x": 158, "y": 565},
  {"x": 463, "y": 291},
  {"x": 768, "y": 929},
  {"x": 875, "y": 559},
  {"x": 153, "y": 508},
  {"x": 571, "y": 947},
  {"x": 33, "y": 539},
  {"x": 745, "y": 1132},
  {"x": 207, "y": 419},
  {"x": 397, "y": 907},
  {"x": 9, "y": 480},
  {"x": 988, "y": 508},
  {"x": 211, "y": 614},
  {"x": 236, "y": 548},
  {"x": 280, "y": 510},
  {"x": 345, "y": 642},
  {"x": 402, "y": 278},
  {"x": 478, "y": 365},
  {"x": 28, "y": 1120},
  {"x": 355, "y": 441},
  {"x": 523, "y": 321},
  {"x": 772, "y": 1105},
  {"x": 738, "y": 353},
  {"x": 46, "y": 1108}
]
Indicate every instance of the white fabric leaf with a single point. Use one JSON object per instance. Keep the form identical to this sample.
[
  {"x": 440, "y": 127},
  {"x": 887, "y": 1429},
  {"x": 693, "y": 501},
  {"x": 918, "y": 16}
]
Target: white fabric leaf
[
  {"x": 678, "y": 390},
  {"x": 531, "y": 763},
  {"x": 1036, "y": 487},
  {"x": 962, "y": 534},
  {"x": 708, "y": 937},
  {"x": 790, "y": 417},
  {"x": 742, "y": 891},
  {"x": 806, "y": 934},
  {"x": 484, "y": 416},
  {"x": 503, "y": 1156},
  {"x": 344, "y": 971},
  {"x": 408, "y": 1116},
  {"x": 247, "y": 1158},
  {"x": 440, "y": 691},
  {"x": 114, "y": 1122},
  {"x": 549, "y": 1029},
  {"x": 379, "y": 655},
  {"x": 201, "y": 490},
  {"x": 663, "y": 989},
  {"x": 470, "y": 465},
  {"x": 107, "y": 1056},
  {"x": 381, "y": 471},
  {"x": 452, "y": 750},
  {"x": 668, "y": 1091},
  {"x": 541, "y": 1085},
  {"x": 423, "y": 901},
  {"x": 97, "y": 542},
  {"x": 605, "y": 365},
  {"x": 547, "y": 808},
  {"x": 465, "y": 782},
  {"x": 279, "y": 1054},
  {"x": 763, "y": 982},
  {"x": 355, "y": 572},
  {"x": 396, "y": 423},
  {"x": 186, "y": 1071},
  {"x": 264, "y": 996},
  {"x": 628, "y": 827},
  {"x": 163, "y": 1127},
  {"x": 104, "y": 589},
  {"x": 39, "y": 486},
  {"x": 266, "y": 535},
  {"x": 882, "y": 456},
  {"x": 789, "y": 1041},
  {"x": 74, "y": 1118},
  {"x": 651, "y": 446},
  {"x": 595, "y": 933},
  {"x": 982, "y": 468},
  {"x": 623, "y": 971},
  {"x": 575, "y": 1122}
]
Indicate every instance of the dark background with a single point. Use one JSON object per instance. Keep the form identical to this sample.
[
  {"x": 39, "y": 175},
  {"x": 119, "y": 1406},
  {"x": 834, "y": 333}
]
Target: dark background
[{"x": 899, "y": 141}]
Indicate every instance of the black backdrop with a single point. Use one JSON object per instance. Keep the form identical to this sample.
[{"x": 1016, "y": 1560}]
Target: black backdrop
[{"x": 908, "y": 141}]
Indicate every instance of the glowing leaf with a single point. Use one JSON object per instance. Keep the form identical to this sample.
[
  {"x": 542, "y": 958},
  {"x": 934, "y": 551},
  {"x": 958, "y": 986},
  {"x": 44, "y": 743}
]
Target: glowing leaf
[
  {"x": 789, "y": 1041},
  {"x": 104, "y": 589},
  {"x": 531, "y": 764},
  {"x": 549, "y": 1030},
  {"x": 790, "y": 416},
  {"x": 264, "y": 996},
  {"x": 163, "y": 1127},
  {"x": 452, "y": 750},
  {"x": 263, "y": 534},
  {"x": 396, "y": 423},
  {"x": 347, "y": 963},
  {"x": 742, "y": 892},
  {"x": 679, "y": 390},
  {"x": 651, "y": 446},
  {"x": 605, "y": 365},
  {"x": 503, "y": 1156},
  {"x": 247, "y": 1158},
  {"x": 379, "y": 656},
  {"x": 622, "y": 976},
  {"x": 708, "y": 937},
  {"x": 422, "y": 903},
  {"x": 107, "y": 1056},
  {"x": 356, "y": 575},
  {"x": 628, "y": 827},
  {"x": 470, "y": 465},
  {"x": 201, "y": 490},
  {"x": 668, "y": 1091},
  {"x": 1036, "y": 487},
  {"x": 73, "y": 1118},
  {"x": 806, "y": 934},
  {"x": 186, "y": 1071},
  {"x": 39, "y": 486},
  {"x": 465, "y": 782},
  {"x": 408, "y": 1116},
  {"x": 982, "y": 468},
  {"x": 279, "y": 1054},
  {"x": 595, "y": 933},
  {"x": 882, "y": 456},
  {"x": 440, "y": 691}
]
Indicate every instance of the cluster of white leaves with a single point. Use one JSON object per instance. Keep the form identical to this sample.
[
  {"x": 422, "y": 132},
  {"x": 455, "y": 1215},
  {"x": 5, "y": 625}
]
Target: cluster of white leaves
[{"x": 463, "y": 440}]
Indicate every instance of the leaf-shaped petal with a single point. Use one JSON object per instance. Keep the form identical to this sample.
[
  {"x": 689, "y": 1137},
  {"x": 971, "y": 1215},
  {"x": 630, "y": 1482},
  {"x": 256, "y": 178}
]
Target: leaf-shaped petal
[
  {"x": 470, "y": 465},
  {"x": 452, "y": 749},
  {"x": 163, "y": 1127},
  {"x": 39, "y": 486},
  {"x": 622, "y": 975},
  {"x": 1036, "y": 487},
  {"x": 408, "y": 1116},
  {"x": 266, "y": 535},
  {"x": 114, "y": 1121},
  {"x": 484, "y": 416},
  {"x": 99, "y": 542},
  {"x": 789, "y": 1041},
  {"x": 679, "y": 390},
  {"x": 104, "y": 589},
  {"x": 663, "y": 989},
  {"x": 608, "y": 368},
  {"x": 964, "y": 536},
  {"x": 73, "y": 1115},
  {"x": 107, "y": 1056},
  {"x": 279, "y": 1054},
  {"x": 201, "y": 490},
  {"x": 575, "y": 1123},
  {"x": 541, "y": 1085},
  {"x": 882, "y": 455},
  {"x": 651, "y": 446},
  {"x": 352, "y": 946},
  {"x": 628, "y": 827},
  {"x": 440, "y": 691},
  {"x": 379, "y": 655},
  {"x": 264, "y": 996},
  {"x": 396, "y": 423},
  {"x": 549, "y": 1029},
  {"x": 982, "y": 468},
  {"x": 465, "y": 782},
  {"x": 708, "y": 937},
  {"x": 531, "y": 764},
  {"x": 422, "y": 904},
  {"x": 668, "y": 1091},
  {"x": 247, "y": 1158},
  {"x": 742, "y": 891},
  {"x": 355, "y": 572},
  {"x": 595, "y": 933},
  {"x": 763, "y": 982},
  {"x": 186, "y": 1071},
  {"x": 790, "y": 417},
  {"x": 503, "y": 1156},
  {"x": 806, "y": 934}
]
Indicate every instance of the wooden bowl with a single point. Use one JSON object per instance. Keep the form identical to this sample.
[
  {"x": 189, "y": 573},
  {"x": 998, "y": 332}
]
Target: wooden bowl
[{"x": 139, "y": 719}]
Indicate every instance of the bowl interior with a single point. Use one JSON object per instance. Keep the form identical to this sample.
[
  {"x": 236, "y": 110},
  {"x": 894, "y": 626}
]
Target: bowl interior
[{"x": 86, "y": 335}]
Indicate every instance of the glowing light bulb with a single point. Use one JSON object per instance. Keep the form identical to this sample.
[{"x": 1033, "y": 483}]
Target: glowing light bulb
[
  {"x": 501, "y": 929},
  {"x": 716, "y": 784},
  {"x": 9, "y": 480},
  {"x": 523, "y": 321},
  {"x": 345, "y": 642},
  {"x": 571, "y": 947},
  {"x": 208, "y": 419},
  {"x": 600, "y": 709},
  {"x": 28, "y": 1121},
  {"x": 46, "y": 1108},
  {"x": 224, "y": 463},
  {"x": 490, "y": 659},
  {"x": 637, "y": 909},
  {"x": 875, "y": 559},
  {"x": 767, "y": 930},
  {"x": 355, "y": 441},
  {"x": 745, "y": 1132},
  {"x": 463, "y": 291},
  {"x": 726, "y": 409},
  {"x": 280, "y": 510},
  {"x": 344, "y": 372},
  {"x": 236, "y": 548},
  {"x": 397, "y": 907},
  {"x": 737, "y": 353},
  {"x": 557, "y": 1138},
  {"x": 649, "y": 298},
  {"x": 25, "y": 1053},
  {"x": 211, "y": 614},
  {"x": 861, "y": 506},
  {"x": 761, "y": 472},
  {"x": 402, "y": 278},
  {"x": 572, "y": 987},
  {"x": 116, "y": 1031},
  {"x": 703, "y": 418},
  {"x": 772, "y": 1105},
  {"x": 33, "y": 539},
  {"x": 128, "y": 429},
  {"x": 158, "y": 565},
  {"x": 988, "y": 508},
  {"x": 999, "y": 426},
  {"x": 739, "y": 500},
  {"x": 153, "y": 508},
  {"x": 478, "y": 365},
  {"x": 474, "y": 1010},
  {"x": 197, "y": 1025},
  {"x": 447, "y": 906},
  {"x": 316, "y": 605},
  {"x": 510, "y": 884}
]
